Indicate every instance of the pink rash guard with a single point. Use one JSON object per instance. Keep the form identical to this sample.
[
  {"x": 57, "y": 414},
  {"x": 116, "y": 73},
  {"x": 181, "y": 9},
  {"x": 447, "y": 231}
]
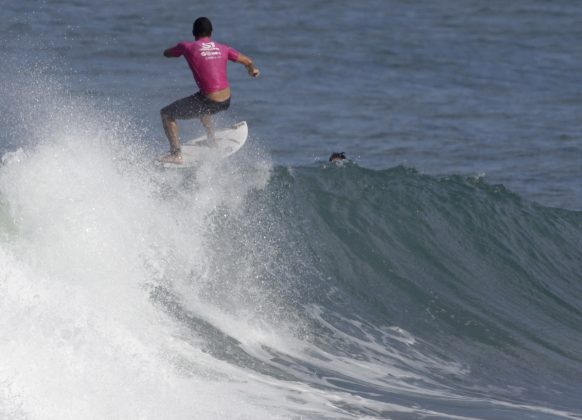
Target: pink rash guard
[{"x": 207, "y": 60}]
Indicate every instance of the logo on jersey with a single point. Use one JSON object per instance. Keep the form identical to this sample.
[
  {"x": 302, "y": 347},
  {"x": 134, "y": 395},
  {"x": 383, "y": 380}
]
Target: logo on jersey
[
  {"x": 209, "y": 50},
  {"x": 208, "y": 46}
]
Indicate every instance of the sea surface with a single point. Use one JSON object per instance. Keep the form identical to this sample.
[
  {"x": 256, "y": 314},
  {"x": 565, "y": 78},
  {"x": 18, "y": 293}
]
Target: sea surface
[{"x": 437, "y": 273}]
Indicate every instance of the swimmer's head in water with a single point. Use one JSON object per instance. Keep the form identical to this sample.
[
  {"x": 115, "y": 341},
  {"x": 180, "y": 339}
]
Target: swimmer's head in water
[{"x": 335, "y": 156}]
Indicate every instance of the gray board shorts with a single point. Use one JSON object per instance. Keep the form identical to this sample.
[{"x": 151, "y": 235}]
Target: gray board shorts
[{"x": 194, "y": 106}]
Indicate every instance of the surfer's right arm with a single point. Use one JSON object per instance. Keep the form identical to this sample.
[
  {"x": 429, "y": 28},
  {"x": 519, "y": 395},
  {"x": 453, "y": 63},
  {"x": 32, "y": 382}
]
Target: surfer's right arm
[{"x": 175, "y": 51}]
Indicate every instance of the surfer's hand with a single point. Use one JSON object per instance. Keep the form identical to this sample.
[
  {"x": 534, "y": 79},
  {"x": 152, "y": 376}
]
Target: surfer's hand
[
  {"x": 248, "y": 63},
  {"x": 253, "y": 71}
]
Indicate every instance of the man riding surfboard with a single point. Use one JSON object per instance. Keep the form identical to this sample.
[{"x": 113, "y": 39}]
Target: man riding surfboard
[{"x": 208, "y": 61}]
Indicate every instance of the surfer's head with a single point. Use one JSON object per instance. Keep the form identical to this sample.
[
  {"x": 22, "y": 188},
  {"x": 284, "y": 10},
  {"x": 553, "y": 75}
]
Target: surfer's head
[{"x": 202, "y": 28}]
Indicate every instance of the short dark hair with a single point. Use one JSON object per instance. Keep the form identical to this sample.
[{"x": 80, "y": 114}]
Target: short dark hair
[
  {"x": 337, "y": 156},
  {"x": 202, "y": 27}
]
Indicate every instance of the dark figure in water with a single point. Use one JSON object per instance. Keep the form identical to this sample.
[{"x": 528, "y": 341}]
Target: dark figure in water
[{"x": 337, "y": 157}]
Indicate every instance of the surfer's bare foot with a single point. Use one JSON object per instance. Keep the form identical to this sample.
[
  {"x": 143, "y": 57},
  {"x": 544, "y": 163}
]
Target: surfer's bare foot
[
  {"x": 175, "y": 158},
  {"x": 209, "y": 143}
]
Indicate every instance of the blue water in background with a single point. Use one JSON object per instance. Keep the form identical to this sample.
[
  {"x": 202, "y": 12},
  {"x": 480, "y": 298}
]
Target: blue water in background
[
  {"x": 446, "y": 87},
  {"x": 435, "y": 275}
]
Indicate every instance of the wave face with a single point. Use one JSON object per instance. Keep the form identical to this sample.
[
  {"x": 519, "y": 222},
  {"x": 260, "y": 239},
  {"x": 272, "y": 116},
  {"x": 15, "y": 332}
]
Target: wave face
[{"x": 486, "y": 284}]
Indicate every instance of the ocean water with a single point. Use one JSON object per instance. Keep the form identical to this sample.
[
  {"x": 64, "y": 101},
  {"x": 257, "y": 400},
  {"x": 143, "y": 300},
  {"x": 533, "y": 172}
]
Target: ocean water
[{"x": 437, "y": 274}]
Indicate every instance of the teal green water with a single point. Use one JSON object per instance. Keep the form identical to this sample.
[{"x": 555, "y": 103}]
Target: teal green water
[{"x": 482, "y": 276}]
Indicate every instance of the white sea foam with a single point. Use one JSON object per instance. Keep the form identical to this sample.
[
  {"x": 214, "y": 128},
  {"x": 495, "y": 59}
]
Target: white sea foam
[{"x": 95, "y": 228}]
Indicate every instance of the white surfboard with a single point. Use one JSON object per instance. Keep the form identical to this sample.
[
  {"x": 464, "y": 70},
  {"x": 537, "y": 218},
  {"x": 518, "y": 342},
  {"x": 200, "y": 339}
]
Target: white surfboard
[{"x": 228, "y": 142}]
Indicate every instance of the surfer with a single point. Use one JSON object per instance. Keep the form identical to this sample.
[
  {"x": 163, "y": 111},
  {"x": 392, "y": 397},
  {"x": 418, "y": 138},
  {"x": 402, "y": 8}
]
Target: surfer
[{"x": 208, "y": 61}]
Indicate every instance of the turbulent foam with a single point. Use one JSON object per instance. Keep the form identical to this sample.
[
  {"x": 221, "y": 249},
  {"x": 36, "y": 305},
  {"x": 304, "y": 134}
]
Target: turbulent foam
[{"x": 90, "y": 231}]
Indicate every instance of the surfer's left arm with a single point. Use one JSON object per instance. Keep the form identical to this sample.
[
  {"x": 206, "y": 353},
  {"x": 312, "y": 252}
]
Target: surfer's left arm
[{"x": 248, "y": 63}]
